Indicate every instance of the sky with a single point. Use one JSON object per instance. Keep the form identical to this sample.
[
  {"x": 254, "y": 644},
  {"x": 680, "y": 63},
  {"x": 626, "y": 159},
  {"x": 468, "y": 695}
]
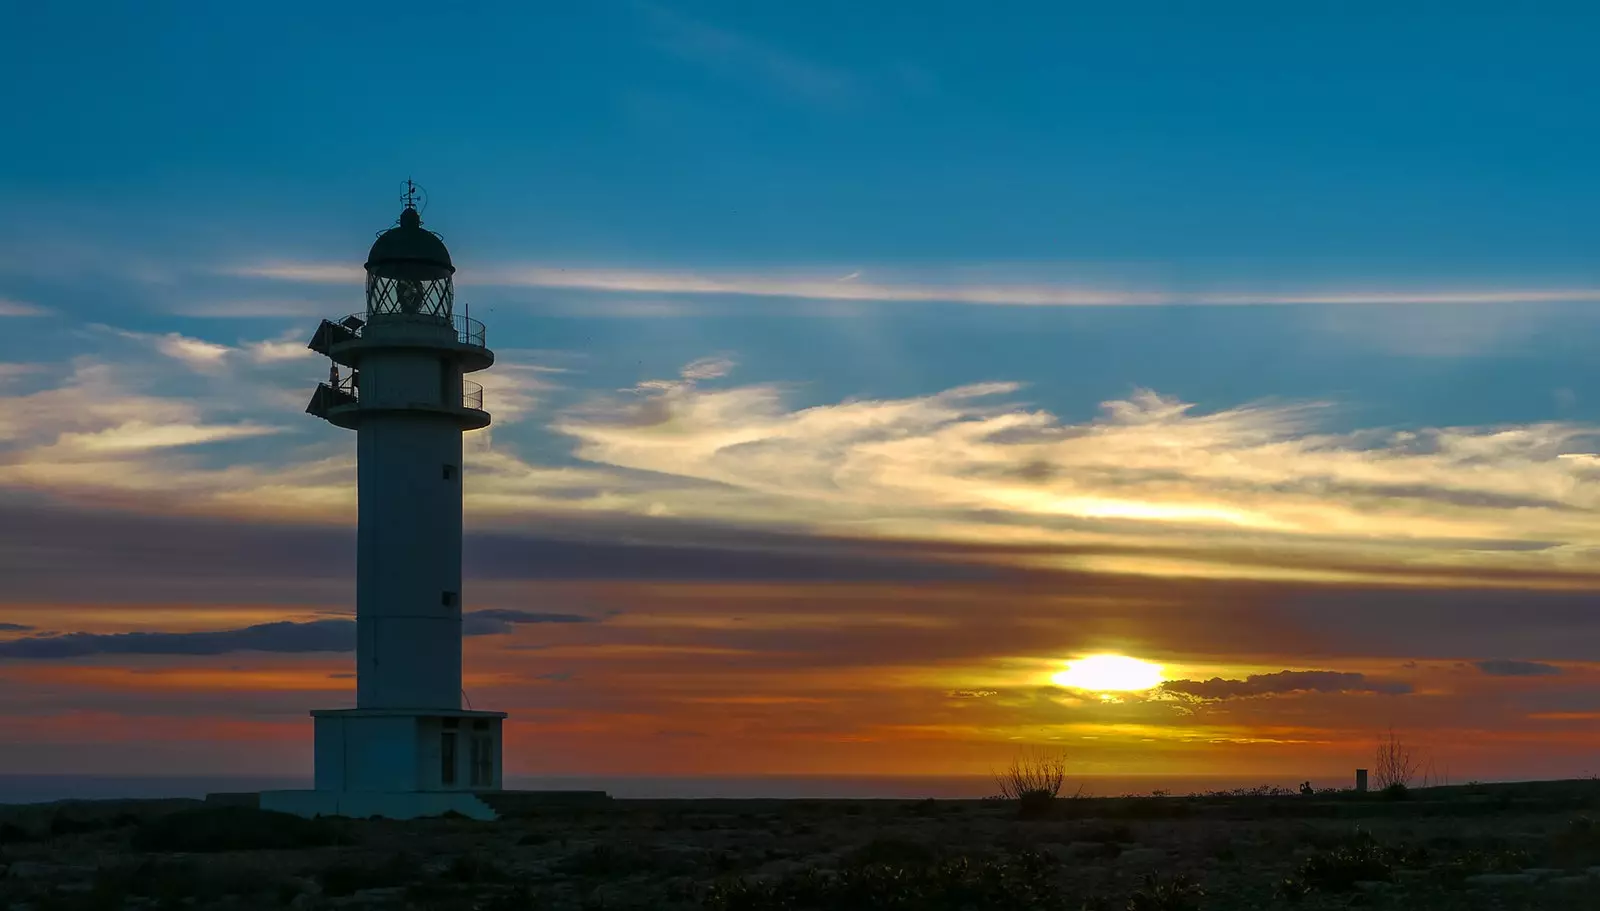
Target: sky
[{"x": 859, "y": 367}]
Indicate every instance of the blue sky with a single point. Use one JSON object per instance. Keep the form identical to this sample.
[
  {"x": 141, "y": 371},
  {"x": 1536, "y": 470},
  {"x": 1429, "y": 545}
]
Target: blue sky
[
  {"x": 1240, "y": 150},
  {"x": 1245, "y": 293}
]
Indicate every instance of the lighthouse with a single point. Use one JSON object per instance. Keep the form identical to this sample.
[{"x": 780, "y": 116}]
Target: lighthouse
[{"x": 397, "y": 377}]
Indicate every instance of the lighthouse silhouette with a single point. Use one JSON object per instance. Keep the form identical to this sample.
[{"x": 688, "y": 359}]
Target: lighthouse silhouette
[{"x": 408, "y": 748}]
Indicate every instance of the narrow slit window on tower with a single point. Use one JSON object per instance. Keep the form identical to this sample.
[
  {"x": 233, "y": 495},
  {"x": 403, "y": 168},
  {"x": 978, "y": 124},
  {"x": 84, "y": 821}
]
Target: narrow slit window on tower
[
  {"x": 449, "y": 472},
  {"x": 448, "y": 599}
]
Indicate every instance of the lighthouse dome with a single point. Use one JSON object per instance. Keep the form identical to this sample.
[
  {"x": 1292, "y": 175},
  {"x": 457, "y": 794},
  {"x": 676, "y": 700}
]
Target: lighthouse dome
[{"x": 409, "y": 251}]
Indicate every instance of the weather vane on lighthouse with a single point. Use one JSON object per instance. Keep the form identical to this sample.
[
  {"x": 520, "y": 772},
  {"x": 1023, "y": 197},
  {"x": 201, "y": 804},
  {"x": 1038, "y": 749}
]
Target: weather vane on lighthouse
[
  {"x": 408, "y": 748},
  {"x": 409, "y": 196}
]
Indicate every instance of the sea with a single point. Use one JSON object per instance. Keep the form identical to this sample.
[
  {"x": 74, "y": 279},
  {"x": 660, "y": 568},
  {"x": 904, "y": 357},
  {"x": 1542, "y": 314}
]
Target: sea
[{"x": 16, "y": 789}]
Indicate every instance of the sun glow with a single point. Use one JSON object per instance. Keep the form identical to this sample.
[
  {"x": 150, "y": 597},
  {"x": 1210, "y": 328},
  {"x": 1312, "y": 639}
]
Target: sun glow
[{"x": 1109, "y": 674}]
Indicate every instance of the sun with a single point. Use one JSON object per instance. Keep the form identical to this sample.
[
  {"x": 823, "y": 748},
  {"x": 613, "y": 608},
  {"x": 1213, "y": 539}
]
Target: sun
[{"x": 1109, "y": 674}]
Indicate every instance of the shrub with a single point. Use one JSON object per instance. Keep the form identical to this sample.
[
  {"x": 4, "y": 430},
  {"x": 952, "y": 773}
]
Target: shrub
[
  {"x": 1176, "y": 894},
  {"x": 607, "y": 861},
  {"x": 1394, "y": 763},
  {"x": 1340, "y": 869},
  {"x": 346, "y": 879},
  {"x": 1360, "y": 858},
  {"x": 1491, "y": 859},
  {"x": 1019, "y": 881},
  {"x": 1034, "y": 781},
  {"x": 212, "y": 829},
  {"x": 470, "y": 868},
  {"x": 899, "y": 852},
  {"x": 64, "y": 824}
]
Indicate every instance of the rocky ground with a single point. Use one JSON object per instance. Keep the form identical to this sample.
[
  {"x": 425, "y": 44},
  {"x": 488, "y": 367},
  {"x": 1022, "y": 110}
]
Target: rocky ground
[{"x": 1528, "y": 846}]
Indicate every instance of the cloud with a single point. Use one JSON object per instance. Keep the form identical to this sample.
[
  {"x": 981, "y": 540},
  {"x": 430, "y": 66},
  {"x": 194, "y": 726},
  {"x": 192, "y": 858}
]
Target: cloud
[
  {"x": 137, "y": 436},
  {"x": 1151, "y": 471},
  {"x": 824, "y": 284},
  {"x": 206, "y": 356},
  {"x": 94, "y": 431},
  {"x": 743, "y": 58},
  {"x": 1508, "y": 668},
  {"x": 274, "y": 351},
  {"x": 1283, "y": 683},
  {"x": 333, "y": 635},
  {"x": 311, "y": 273},
  {"x": 10, "y": 307},
  {"x": 1151, "y": 485},
  {"x": 708, "y": 368},
  {"x": 970, "y": 694},
  {"x": 496, "y": 622},
  {"x": 15, "y": 628},
  {"x": 197, "y": 353},
  {"x": 284, "y": 636},
  {"x": 131, "y": 422}
]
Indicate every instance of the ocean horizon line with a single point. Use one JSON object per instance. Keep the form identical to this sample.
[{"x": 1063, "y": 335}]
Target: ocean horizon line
[{"x": 26, "y": 788}]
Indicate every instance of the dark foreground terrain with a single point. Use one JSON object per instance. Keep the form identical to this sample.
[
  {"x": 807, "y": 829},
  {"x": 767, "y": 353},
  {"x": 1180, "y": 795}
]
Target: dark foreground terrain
[{"x": 1522, "y": 846}]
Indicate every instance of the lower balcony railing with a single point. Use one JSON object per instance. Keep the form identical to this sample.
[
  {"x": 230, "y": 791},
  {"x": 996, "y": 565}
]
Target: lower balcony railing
[{"x": 347, "y": 391}]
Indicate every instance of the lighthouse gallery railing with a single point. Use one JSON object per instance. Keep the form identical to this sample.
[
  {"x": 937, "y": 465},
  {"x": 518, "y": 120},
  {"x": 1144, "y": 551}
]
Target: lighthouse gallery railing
[{"x": 468, "y": 330}]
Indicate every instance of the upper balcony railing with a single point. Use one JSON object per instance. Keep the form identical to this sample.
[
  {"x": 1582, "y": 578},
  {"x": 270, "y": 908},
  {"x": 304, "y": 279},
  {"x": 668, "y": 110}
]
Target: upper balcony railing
[{"x": 468, "y": 330}]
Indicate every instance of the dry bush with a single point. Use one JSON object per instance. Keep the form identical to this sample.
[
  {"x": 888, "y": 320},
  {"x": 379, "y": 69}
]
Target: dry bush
[
  {"x": 1395, "y": 763},
  {"x": 1034, "y": 780}
]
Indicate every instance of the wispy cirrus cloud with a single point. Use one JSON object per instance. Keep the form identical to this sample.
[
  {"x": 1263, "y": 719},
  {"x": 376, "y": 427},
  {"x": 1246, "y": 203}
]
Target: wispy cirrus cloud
[
  {"x": 742, "y": 57},
  {"x": 852, "y": 285},
  {"x": 973, "y": 464},
  {"x": 1151, "y": 485},
  {"x": 9, "y": 307}
]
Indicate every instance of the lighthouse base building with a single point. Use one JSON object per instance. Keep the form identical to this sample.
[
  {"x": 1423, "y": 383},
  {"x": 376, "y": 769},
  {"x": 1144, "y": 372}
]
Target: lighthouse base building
[{"x": 399, "y": 764}]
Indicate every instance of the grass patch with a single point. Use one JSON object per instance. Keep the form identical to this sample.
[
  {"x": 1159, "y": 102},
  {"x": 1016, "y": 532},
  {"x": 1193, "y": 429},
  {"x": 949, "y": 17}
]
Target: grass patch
[
  {"x": 607, "y": 861},
  {"x": 343, "y": 879},
  {"x": 1017, "y": 881},
  {"x": 1158, "y": 894}
]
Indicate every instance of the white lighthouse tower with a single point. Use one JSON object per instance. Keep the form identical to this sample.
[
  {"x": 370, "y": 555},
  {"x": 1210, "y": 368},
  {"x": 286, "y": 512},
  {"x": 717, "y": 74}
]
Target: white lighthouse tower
[{"x": 408, "y": 748}]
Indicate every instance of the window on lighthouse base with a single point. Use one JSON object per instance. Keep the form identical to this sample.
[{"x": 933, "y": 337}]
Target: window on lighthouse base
[
  {"x": 482, "y": 761},
  {"x": 447, "y": 758}
]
